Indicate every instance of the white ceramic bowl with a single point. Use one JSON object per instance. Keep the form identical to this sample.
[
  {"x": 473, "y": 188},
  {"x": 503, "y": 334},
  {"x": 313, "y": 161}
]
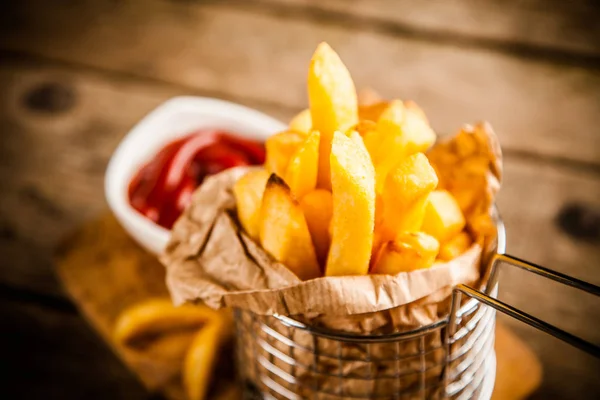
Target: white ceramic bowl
[{"x": 174, "y": 118}]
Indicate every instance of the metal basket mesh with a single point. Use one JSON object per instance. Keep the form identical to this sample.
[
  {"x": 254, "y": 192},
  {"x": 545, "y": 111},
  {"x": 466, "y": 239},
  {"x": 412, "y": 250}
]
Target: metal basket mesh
[{"x": 280, "y": 358}]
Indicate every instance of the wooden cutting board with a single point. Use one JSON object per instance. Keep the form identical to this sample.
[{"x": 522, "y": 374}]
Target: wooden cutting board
[{"x": 105, "y": 271}]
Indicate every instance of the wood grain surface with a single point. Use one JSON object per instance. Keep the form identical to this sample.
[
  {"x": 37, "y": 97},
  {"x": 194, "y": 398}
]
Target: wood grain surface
[
  {"x": 254, "y": 54},
  {"x": 510, "y": 25},
  {"x": 103, "y": 252},
  {"x": 76, "y": 76}
]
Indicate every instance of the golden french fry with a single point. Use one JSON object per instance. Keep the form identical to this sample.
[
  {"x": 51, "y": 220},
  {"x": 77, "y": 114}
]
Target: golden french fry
[
  {"x": 248, "y": 192},
  {"x": 317, "y": 206},
  {"x": 301, "y": 174},
  {"x": 155, "y": 316},
  {"x": 353, "y": 186},
  {"x": 280, "y": 148},
  {"x": 405, "y": 195},
  {"x": 302, "y": 122},
  {"x": 365, "y": 128},
  {"x": 455, "y": 247},
  {"x": 200, "y": 358},
  {"x": 443, "y": 217},
  {"x": 418, "y": 111},
  {"x": 333, "y": 102},
  {"x": 400, "y": 133},
  {"x": 373, "y": 111},
  {"x": 407, "y": 252},
  {"x": 283, "y": 230},
  {"x": 417, "y": 135},
  {"x": 389, "y": 124}
]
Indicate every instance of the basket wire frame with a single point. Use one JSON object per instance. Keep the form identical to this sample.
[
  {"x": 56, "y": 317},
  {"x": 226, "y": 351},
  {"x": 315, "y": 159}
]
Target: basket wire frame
[{"x": 281, "y": 358}]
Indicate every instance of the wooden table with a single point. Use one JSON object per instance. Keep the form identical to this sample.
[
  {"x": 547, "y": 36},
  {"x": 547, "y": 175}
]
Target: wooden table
[{"x": 76, "y": 76}]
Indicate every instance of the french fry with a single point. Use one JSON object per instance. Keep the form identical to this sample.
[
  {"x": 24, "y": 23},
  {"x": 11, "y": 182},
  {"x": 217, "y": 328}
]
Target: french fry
[
  {"x": 455, "y": 247},
  {"x": 248, "y": 192},
  {"x": 368, "y": 96},
  {"x": 156, "y": 316},
  {"x": 404, "y": 197},
  {"x": 365, "y": 128},
  {"x": 280, "y": 148},
  {"x": 283, "y": 230},
  {"x": 418, "y": 111},
  {"x": 400, "y": 132},
  {"x": 333, "y": 103},
  {"x": 369, "y": 110},
  {"x": 389, "y": 123},
  {"x": 317, "y": 206},
  {"x": 353, "y": 186},
  {"x": 373, "y": 111},
  {"x": 302, "y": 122},
  {"x": 443, "y": 217},
  {"x": 200, "y": 358},
  {"x": 409, "y": 251},
  {"x": 301, "y": 174},
  {"x": 417, "y": 134}
]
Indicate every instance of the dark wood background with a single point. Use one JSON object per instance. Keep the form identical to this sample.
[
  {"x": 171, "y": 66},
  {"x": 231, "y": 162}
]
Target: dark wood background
[{"x": 76, "y": 75}]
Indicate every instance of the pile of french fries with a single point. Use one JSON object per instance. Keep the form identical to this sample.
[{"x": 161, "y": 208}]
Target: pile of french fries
[{"x": 348, "y": 189}]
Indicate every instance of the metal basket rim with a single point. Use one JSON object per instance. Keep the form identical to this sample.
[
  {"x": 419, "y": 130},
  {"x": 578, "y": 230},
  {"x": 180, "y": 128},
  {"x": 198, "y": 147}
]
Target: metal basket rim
[{"x": 500, "y": 248}]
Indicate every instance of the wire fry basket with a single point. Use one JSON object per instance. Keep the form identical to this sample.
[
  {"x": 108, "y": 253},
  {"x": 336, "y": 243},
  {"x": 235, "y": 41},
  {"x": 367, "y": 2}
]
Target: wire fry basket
[{"x": 281, "y": 358}]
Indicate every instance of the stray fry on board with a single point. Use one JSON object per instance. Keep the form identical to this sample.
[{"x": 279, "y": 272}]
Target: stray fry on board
[{"x": 353, "y": 188}]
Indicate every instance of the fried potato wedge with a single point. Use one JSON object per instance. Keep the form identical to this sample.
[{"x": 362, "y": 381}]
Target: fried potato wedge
[
  {"x": 405, "y": 194},
  {"x": 333, "y": 102},
  {"x": 353, "y": 189},
  {"x": 248, "y": 192},
  {"x": 443, "y": 217},
  {"x": 401, "y": 131},
  {"x": 201, "y": 356},
  {"x": 317, "y": 206},
  {"x": 284, "y": 232},
  {"x": 156, "y": 316},
  {"x": 409, "y": 251},
  {"x": 280, "y": 148},
  {"x": 455, "y": 246},
  {"x": 302, "y": 122},
  {"x": 301, "y": 174}
]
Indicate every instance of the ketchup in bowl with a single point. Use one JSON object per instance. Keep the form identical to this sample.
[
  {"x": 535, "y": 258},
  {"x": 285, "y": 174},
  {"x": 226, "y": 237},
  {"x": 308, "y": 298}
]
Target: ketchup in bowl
[{"x": 163, "y": 187}]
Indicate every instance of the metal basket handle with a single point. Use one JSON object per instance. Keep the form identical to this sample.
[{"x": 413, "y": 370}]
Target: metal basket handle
[{"x": 522, "y": 316}]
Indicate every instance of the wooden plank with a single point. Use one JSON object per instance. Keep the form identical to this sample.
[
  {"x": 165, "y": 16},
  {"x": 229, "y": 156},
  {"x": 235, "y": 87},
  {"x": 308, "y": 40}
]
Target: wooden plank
[
  {"x": 54, "y": 355},
  {"x": 531, "y": 198},
  {"x": 101, "y": 250},
  {"x": 518, "y": 370},
  {"x": 536, "y": 107},
  {"x": 551, "y": 24},
  {"x": 52, "y": 160}
]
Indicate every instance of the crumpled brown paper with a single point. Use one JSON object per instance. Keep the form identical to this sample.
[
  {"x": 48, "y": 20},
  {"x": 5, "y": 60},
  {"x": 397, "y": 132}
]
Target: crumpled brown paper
[{"x": 210, "y": 259}]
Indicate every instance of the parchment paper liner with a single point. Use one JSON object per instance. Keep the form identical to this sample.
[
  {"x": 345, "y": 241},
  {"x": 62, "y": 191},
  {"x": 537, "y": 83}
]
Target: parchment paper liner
[{"x": 210, "y": 259}]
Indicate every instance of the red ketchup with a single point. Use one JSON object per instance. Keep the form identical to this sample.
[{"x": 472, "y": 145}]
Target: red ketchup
[{"x": 163, "y": 187}]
